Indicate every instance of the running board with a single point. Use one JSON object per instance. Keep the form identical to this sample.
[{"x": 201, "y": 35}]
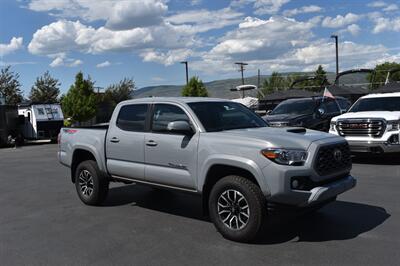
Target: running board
[{"x": 124, "y": 179}]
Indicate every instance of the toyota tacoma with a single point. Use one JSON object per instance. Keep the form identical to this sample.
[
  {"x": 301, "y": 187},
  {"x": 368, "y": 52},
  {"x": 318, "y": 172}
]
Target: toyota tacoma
[{"x": 213, "y": 147}]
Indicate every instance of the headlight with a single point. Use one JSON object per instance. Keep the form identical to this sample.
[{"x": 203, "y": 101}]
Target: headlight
[
  {"x": 393, "y": 125},
  {"x": 286, "y": 157},
  {"x": 333, "y": 126}
]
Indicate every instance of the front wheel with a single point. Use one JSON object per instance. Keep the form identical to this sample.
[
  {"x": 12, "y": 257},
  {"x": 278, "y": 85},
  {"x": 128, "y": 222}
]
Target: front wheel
[
  {"x": 237, "y": 208},
  {"x": 91, "y": 185}
]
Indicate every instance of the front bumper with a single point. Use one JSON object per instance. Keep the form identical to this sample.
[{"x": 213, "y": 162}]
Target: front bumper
[
  {"x": 306, "y": 198},
  {"x": 373, "y": 146}
]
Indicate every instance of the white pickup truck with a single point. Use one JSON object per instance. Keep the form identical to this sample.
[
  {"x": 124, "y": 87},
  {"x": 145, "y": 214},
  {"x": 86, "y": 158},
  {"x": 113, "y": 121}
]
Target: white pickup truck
[{"x": 372, "y": 124}]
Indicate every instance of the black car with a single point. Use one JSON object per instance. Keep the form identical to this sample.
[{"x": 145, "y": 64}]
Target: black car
[{"x": 313, "y": 113}]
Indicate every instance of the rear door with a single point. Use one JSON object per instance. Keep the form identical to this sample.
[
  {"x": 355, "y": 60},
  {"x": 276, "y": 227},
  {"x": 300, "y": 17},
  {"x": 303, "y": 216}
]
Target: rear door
[
  {"x": 125, "y": 142},
  {"x": 171, "y": 158}
]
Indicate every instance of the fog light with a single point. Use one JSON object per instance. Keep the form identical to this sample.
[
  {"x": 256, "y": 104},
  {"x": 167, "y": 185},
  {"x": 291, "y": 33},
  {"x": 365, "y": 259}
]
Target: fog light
[{"x": 295, "y": 184}]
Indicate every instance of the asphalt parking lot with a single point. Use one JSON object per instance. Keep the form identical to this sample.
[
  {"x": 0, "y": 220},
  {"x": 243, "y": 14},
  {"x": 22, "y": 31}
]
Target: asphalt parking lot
[{"x": 42, "y": 222}]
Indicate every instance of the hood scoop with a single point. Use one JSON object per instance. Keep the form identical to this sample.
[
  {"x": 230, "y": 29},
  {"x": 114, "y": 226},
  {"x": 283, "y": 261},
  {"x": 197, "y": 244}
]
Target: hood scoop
[{"x": 296, "y": 130}]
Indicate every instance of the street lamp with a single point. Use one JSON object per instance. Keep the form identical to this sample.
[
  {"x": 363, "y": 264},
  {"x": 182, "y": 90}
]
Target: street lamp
[
  {"x": 337, "y": 53},
  {"x": 187, "y": 72}
]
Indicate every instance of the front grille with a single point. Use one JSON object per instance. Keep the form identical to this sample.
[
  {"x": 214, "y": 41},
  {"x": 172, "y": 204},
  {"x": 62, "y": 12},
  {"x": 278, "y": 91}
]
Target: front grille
[
  {"x": 278, "y": 124},
  {"x": 332, "y": 158},
  {"x": 361, "y": 127}
]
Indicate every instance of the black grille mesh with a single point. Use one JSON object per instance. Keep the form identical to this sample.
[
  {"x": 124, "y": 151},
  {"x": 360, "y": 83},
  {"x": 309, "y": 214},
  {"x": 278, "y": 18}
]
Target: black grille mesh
[{"x": 327, "y": 163}]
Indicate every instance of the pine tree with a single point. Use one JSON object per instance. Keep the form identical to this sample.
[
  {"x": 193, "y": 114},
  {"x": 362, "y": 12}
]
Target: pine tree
[
  {"x": 80, "y": 102},
  {"x": 45, "y": 90},
  {"x": 10, "y": 88},
  {"x": 195, "y": 88}
]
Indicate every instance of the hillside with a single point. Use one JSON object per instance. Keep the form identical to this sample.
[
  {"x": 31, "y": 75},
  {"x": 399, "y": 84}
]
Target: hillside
[{"x": 216, "y": 88}]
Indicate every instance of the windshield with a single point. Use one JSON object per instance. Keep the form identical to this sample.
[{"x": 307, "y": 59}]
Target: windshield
[
  {"x": 218, "y": 116},
  {"x": 298, "y": 107},
  {"x": 377, "y": 104}
]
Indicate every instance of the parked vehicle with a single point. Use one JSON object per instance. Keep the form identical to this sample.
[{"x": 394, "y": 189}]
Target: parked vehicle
[
  {"x": 313, "y": 113},
  {"x": 372, "y": 124},
  {"x": 216, "y": 148},
  {"x": 41, "y": 121},
  {"x": 8, "y": 124}
]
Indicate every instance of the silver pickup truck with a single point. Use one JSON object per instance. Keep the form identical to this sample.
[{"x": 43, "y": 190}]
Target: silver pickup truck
[{"x": 216, "y": 148}]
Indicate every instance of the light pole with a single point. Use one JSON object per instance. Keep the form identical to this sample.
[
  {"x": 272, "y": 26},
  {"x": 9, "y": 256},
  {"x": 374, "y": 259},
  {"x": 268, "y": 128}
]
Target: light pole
[
  {"x": 337, "y": 53},
  {"x": 187, "y": 72}
]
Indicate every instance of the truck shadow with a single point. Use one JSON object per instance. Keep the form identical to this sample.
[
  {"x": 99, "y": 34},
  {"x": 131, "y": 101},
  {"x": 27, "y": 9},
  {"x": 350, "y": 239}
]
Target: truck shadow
[
  {"x": 338, "y": 220},
  {"x": 385, "y": 159}
]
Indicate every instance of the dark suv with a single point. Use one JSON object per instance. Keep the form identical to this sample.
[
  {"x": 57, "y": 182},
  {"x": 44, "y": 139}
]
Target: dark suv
[{"x": 313, "y": 112}]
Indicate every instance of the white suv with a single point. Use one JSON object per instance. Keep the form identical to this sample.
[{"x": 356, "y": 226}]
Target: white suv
[{"x": 371, "y": 124}]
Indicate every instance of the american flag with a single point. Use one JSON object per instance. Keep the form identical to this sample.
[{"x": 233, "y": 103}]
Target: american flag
[{"x": 328, "y": 94}]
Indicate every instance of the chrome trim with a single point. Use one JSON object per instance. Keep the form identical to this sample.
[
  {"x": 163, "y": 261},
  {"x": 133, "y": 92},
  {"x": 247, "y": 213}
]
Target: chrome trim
[{"x": 370, "y": 127}]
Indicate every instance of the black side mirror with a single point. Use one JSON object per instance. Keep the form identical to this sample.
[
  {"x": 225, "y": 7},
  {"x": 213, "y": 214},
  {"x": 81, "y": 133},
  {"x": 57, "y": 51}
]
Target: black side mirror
[
  {"x": 180, "y": 126},
  {"x": 321, "y": 112}
]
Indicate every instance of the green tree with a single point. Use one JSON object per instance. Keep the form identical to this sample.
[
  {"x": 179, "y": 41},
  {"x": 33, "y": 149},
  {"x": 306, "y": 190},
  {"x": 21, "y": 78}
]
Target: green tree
[
  {"x": 80, "y": 102},
  {"x": 45, "y": 90},
  {"x": 274, "y": 83},
  {"x": 195, "y": 88},
  {"x": 320, "y": 77},
  {"x": 10, "y": 88},
  {"x": 381, "y": 71},
  {"x": 119, "y": 92}
]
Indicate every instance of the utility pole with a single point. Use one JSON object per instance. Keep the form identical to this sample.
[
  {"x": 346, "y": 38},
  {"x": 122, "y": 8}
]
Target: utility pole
[
  {"x": 337, "y": 53},
  {"x": 258, "y": 78},
  {"x": 241, "y": 65},
  {"x": 187, "y": 71}
]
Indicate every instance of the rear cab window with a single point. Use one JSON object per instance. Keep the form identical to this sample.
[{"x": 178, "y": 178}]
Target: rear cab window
[{"x": 132, "y": 117}]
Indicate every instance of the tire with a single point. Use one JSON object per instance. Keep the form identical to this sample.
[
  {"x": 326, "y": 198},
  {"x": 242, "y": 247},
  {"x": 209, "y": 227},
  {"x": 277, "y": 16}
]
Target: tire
[
  {"x": 222, "y": 207},
  {"x": 88, "y": 175}
]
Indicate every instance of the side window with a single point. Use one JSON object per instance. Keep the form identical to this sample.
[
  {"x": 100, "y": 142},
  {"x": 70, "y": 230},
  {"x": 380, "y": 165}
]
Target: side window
[
  {"x": 132, "y": 117},
  {"x": 330, "y": 107},
  {"x": 40, "y": 111},
  {"x": 165, "y": 113}
]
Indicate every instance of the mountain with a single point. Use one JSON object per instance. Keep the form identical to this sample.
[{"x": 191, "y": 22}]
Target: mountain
[{"x": 216, "y": 88}]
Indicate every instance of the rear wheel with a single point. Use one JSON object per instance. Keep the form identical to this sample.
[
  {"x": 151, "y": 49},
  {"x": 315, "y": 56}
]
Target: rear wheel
[
  {"x": 237, "y": 208},
  {"x": 91, "y": 185}
]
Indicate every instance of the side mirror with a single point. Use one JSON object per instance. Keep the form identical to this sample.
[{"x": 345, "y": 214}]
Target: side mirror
[
  {"x": 180, "y": 126},
  {"x": 321, "y": 111}
]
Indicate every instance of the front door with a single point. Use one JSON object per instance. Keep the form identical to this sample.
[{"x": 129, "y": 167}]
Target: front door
[
  {"x": 171, "y": 158},
  {"x": 125, "y": 142}
]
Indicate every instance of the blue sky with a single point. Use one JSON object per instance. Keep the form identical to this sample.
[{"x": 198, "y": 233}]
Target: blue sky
[{"x": 146, "y": 39}]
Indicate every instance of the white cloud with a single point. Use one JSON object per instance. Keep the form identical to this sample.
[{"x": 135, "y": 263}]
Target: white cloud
[
  {"x": 353, "y": 29},
  {"x": 15, "y": 44},
  {"x": 119, "y": 15},
  {"x": 64, "y": 36},
  {"x": 270, "y": 7},
  {"x": 166, "y": 58},
  {"x": 377, "y": 4},
  {"x": 131, "y": 14},
  {"x": 340, "y": 21},
  {"x": 103, "y": 64},
  {"x": 62, "y": 60},
  {"x": 386, "y": 24},
  {"x": 262, "y": 39},
  {"x": 204, "y": 20},
  {"x": 391, "y": 7},
  {"x": 302, "y": 10}
]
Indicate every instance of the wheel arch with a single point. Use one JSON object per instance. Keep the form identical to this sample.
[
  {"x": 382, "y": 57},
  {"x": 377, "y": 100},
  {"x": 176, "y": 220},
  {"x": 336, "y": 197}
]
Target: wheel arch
[{"x": 79, "y": 155}]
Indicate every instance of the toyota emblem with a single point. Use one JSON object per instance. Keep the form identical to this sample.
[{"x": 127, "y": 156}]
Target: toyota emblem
[{"x": 337, "y": 155}]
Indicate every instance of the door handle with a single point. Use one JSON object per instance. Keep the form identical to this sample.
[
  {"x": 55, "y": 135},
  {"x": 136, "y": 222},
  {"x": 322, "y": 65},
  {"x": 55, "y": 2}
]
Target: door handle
[
  {"x": 151, "y": 143},
  {"x": 114, "y": 140}
]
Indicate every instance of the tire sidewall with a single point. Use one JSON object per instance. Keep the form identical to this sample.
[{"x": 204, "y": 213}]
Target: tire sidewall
[
  {"x": 95, "y": 197},
  {"x": 256, "y": 210}
]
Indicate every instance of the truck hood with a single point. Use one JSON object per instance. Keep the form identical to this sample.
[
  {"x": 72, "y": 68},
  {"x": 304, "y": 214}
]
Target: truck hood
[
  {"x": 295, "y": 138},
  {"x": 375, "y": 114}
]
